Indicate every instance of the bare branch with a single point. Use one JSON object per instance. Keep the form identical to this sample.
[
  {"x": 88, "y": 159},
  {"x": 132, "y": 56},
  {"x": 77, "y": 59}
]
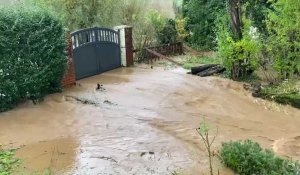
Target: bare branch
[{"x": 213, "y": 140}]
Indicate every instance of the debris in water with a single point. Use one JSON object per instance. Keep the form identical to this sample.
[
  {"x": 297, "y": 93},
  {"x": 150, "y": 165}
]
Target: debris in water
[
  {"x": 255, "y": 88},
  {"x": 82, "y": 100},
  {"x": 109, "y": 103},
  {"x": 106, "y": 158},
  {"x": 100, "y": 87},
  {"x": 78, "y": 84},
  {"x": 143, "y": 153}
]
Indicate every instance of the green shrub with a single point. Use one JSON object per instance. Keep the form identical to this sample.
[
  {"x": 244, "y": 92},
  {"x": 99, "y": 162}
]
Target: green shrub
[
  {"x": 284, "y": 37},
  {"x": 240, "y": 57},
  {"x": 249, "y": 158},
  {"x": 169, "y": 33},
  {"x": 181, "y": 29},
  {"x": 32, "y": 55},
  {"x": 165, "y": 29}
]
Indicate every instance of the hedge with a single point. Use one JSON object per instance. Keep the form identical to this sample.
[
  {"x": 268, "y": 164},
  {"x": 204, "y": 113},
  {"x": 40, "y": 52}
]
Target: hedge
[{"x": 32, "y": 55}]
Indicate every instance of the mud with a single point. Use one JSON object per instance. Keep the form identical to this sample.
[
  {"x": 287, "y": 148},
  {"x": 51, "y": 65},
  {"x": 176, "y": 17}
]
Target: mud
[{"x": 143, "y": 123}]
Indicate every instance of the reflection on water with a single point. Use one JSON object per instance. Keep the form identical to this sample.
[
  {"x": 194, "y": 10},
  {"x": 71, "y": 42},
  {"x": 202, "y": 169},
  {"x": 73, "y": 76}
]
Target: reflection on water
[{"x": 142, "y": 122}]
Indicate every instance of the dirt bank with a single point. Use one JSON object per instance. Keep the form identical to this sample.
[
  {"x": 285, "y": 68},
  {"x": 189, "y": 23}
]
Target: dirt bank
[{"x": 143, "y": 122}]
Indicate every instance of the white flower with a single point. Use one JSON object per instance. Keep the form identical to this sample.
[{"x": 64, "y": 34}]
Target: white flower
[{"x": 253, "y": 32}]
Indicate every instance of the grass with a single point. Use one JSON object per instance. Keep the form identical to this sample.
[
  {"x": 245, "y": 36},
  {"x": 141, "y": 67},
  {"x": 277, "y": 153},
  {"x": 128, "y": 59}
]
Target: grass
[
  {"x": 192, "y": 61},
  {"x": 7, "y": 161},
  {"x": 285, "y": 93}
]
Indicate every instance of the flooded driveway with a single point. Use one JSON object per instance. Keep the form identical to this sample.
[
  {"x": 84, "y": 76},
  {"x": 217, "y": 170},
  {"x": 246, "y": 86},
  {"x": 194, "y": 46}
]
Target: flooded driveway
[{"x": 142, "y": 121}]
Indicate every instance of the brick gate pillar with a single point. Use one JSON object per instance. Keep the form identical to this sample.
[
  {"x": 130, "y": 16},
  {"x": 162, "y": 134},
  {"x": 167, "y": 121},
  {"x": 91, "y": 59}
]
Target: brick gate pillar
[
  {"x": 69, "y": 77},
  {"x": 126, "y": 44}
]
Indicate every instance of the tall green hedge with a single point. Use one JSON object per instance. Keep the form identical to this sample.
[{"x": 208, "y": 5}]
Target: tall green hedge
[{"x": 32, "y": 55}]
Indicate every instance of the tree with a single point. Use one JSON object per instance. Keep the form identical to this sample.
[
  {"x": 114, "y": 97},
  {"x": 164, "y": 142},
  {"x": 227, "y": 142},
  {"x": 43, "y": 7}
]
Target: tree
[
  {"x": 283, "y": 26},
  {"x": 77, "y": 14},
  {"x": 236, "y": 18},
  {"x": 201, "y": 16},
  {"x": 257, "y": 11},
  {"x": 237, "y": 44}
]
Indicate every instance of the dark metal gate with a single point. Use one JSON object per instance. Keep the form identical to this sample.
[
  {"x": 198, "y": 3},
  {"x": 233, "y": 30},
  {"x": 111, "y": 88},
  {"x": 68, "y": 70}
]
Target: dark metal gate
[{"x": 95, "y": 50}]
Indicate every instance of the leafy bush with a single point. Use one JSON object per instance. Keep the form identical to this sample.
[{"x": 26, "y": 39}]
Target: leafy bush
[
  {"x": 33, "y": 60},
  {"x": 284, "y": 37},
  {"x": 249, "y": 158},
  {"x": 181, "y": 29},
  {"x": 165, "y": 29},
  {"x": 169, "y": 33},
  {"x": 77, "y": 14},
  {"x": 240, "y": 57},
  {"x": 7, "y": 162}
]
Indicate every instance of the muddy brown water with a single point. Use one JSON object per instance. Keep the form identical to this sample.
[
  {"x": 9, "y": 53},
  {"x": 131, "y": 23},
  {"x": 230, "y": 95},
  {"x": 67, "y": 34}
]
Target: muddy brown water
[{"x": 143, "y": 122}]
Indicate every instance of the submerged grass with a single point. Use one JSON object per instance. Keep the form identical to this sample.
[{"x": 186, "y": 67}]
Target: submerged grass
[
  {"x": 7, "y": 161},
  {"x": 285, "y": 93},
  {"x": 192, "y": 61}
]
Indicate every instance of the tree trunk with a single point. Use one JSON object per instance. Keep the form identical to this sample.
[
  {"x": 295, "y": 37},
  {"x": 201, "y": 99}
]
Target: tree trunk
[{"x": 236, "y": 18}]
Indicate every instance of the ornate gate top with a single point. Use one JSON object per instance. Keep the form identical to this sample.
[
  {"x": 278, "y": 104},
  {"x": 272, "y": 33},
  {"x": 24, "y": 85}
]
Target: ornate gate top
[{"x": 95, "y": 35}]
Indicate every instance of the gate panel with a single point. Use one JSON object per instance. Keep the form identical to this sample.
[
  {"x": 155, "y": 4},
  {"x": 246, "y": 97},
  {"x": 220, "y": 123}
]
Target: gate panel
[
  {"x": 109, "y": 56},
  {"x": 85, "y": 61},
  {"x": 108, "y": 48},
  {"x": 95, "y": 50}
]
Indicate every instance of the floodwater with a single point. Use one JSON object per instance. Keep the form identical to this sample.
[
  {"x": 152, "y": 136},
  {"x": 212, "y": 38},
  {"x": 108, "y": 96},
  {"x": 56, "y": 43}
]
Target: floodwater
[{"x": 143, "y": 122}]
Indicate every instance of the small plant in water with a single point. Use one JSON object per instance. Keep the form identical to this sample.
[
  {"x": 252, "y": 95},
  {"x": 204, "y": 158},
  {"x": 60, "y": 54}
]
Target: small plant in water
[
  {"x": 203, "y": 131},
  {"x": 7, "y": 161},
  {"x": 174, "y": 173}
]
